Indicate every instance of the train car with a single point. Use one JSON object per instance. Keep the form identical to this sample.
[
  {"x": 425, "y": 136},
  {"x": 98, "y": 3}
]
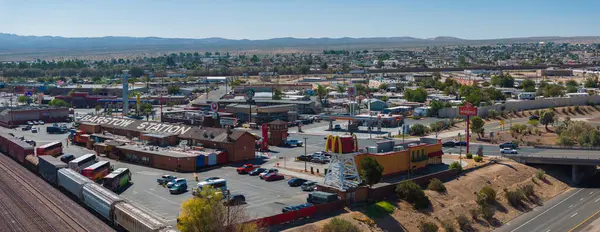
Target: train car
[
  {"x": 4, "y": 143},
  {"x": 82, "y": 162},
  {"x": 97, "y": 171},
  {"x": 18, "y": 149},
  {"x": 117, "y": 179},
  {"x": 31, "y": 163},
  {"x": 100, "y": 199},
  {"x": 134, "y": 219},
  {"x": 72, "y": 181},
  {"x": 48, "y": 167}
]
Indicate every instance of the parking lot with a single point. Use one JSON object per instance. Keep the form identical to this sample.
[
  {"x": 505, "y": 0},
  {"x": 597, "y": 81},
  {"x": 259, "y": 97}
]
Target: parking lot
[{"x": 263, "y": 198}]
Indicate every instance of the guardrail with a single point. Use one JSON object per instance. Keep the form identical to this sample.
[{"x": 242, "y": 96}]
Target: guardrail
[{"x": 568, "y": 148}]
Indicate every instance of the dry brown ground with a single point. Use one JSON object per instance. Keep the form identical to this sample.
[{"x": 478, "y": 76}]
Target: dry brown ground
[{"x": 460, "y": 199}]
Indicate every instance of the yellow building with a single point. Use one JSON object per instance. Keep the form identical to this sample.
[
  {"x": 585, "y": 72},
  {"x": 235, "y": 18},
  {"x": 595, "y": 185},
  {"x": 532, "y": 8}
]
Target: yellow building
[{"x": 415, "y": 157}]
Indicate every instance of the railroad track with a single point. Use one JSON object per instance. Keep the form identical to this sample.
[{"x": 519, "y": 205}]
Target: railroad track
[
  {"x": 24, "y": 209},
  {"x": 18, "y": 174}
]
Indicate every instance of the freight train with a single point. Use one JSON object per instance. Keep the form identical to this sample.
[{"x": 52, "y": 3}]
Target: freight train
[{"x": 121, "y": 213}]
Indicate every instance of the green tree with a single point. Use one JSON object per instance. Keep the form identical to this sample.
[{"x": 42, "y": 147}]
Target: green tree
[
  {"x": 371, "y": 171},
  {"x": 417, "y": 95},
  {"x": 462, "y": 62},
  {"x": 383, "y": 86},
  {"x": 503, "y": 80},
  {"x": 340, "y": 88},
  {"x": 173, "y": 90},
  {"x": 208, "y": 213},
  {"x": 277, "y": 94},
  {"x": 208, "y": 54},
  {"x": 418, "y": 130},
  {"x": 98, "y": 108},
  {"x": 254, "y": 59},
  {"x": 572, "y": 86},
  {"x": 380, "y": 64},
  {"x": 591, "y": 82},
  {"x": 136, "y": 72},
  {"x": 59, "y": 103},
  {"x": 321, "y": 93},
  {"x": 477, "y": 126},
  {"x": 547, "y": 118},
  {"x": 23, "y": 99},
  {"x": 324, "y": 66},
  {"x": 361, "y": 89},
  {"x": 528, "y": 85},
  {"x": 435, "y": 107}
]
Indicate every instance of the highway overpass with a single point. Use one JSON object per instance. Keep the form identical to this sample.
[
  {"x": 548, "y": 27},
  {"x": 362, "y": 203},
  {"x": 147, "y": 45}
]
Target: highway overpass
[{"x": 583, "y": 162}]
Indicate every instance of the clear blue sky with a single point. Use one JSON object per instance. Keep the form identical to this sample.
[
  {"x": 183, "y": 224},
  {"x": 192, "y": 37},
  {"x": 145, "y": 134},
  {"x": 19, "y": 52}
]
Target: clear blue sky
[{"x": 261, "y": 19}]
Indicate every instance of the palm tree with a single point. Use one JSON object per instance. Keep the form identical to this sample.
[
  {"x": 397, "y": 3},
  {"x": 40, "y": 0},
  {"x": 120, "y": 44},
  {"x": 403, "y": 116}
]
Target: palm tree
[
  {"x": 321, "y": 93},
  {"x": 341, "y": 88}
]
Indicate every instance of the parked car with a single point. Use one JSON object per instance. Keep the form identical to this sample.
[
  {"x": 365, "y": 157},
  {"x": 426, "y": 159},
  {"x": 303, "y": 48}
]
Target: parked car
[
  {"x": 25, "y": 128},
  {"x": 508, "y": 150},
  {"x": 324, "y": 153},
  {"x": 66, "y": 158},
  {"x": 293, "y": 143},
  {"x": 304, "y": 158},
  {"x": 266, "y": 172},
  {"x": 31, "y": 142},
  {"x": 309, "y": 186},
  {"x": 246, "y": 168},
  {"x": 273, "y": 177},
  {"x": 509, "y": 145},
  {"x": 337, "y": 127},
  {"x": 460, "y": 143},
  {"x": 34, "y": 130},
  {"x": 318, "y": 197},
  {"x": 534, "y": 117},
  {"x": 29, "y": 123},
  {"x": 41, "y": 122},
  {"x": 179, "y": 186},
  {"x": 209, "y": 179},
  {"x": 449, "y": 144},
  {"x": 235, "y": 199},
  {"x": 165, "y": 179},
  {"x": 256, "y": 171},
  {"x": 295, "y": 207},
  {"x": 295, "y": 182},
  {"x": 320, "y": 159}
]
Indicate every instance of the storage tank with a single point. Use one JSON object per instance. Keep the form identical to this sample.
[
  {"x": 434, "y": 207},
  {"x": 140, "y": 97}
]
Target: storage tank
[
  {"x": 212, "y": 159},
  {"x": 72, "y": 181},
  {"x": 48, "y": 167},
  {"x": 100, "y": 199},
  {"x": 134, "y": 219}
]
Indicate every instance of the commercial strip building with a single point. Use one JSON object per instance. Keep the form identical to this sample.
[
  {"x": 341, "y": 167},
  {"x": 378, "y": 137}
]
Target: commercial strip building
[
  {"x": 15, "y": 116},
  {"x": 154, "y": 143},
  {"x": 272, "y": 87}
]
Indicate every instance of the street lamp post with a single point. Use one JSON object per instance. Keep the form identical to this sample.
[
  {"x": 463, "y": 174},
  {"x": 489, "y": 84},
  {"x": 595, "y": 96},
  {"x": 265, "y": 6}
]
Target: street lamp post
[{"x": 305, "y": 154}]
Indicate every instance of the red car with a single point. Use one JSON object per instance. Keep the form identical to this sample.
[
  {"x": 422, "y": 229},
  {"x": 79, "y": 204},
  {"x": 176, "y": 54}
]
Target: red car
[
  {"x": 273, "y": 177},
  {"x": 246, "y": 168}
]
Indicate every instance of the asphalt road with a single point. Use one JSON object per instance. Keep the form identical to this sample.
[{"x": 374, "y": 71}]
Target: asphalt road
[{"x": 574, "y": 210}]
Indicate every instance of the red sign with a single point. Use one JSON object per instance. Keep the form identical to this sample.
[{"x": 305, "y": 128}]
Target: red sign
[
  {"x": 467, "y": 110},
  {"x": 214, "y": 106},
  {"x": 351, "y": 91}
]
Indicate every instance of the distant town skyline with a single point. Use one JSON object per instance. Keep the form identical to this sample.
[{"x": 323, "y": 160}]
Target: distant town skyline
[{"x": 265, "y": 19}]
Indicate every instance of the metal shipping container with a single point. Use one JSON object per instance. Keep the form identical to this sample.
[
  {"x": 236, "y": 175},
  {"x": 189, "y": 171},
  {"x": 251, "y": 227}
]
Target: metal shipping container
[
  {"x": 48, "y": 168},
  {"x": 134, "y": 219},
  {"x": 72, "y": 181},
  {"x": 200, "y": 161},
  {"x": 100, "y": 199},
  {"x": 212, "y": 159}
]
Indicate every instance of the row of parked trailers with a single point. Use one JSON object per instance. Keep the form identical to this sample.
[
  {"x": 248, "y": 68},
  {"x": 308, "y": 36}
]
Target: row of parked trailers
[{"x": 115, "y": 209}]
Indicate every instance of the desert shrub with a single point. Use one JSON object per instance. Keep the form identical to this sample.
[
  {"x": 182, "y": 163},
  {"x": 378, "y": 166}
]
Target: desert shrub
[
  {"x": 528, "y": 190},
  {"x": 339, "y": 225},
  {"x": 540, "y": 174},
  {"x": 469, "y": 156},
  {"x": 516, "y": 142},
  {"x": 577, "y": 109},
  {"x": 490, "y": 193},
  {"x": 564, "y": 111},
  {"x": 478, "y": 158},
  {"x": 515, "y": 197},
  {"x": 474, "y": 213},
  {"x": 487, "y": 212},
  {"x": 436, "y": 184},
  {"x": 409, "y": 191},
  {"x": 463, "y": 223},
  {"x": 428, "y": 227},
  {"x": 456, "y": 165},
  {"x": 536, "y": 112},
  {"x": 481, "y": 199},
  {"x": 551, "y": 108},
  {"x": 418, "y": 130},
  {"x": 492, "y": 113},
  {"x": 448, "y": 226}
]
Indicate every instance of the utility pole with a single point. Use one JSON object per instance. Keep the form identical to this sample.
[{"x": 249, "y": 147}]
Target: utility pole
[{"x": 305, "y": 154}]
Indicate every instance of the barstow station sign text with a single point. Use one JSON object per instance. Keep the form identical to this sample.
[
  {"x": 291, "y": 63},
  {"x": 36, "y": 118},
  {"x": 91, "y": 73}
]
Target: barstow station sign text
[{"x": 151, "y": 127}]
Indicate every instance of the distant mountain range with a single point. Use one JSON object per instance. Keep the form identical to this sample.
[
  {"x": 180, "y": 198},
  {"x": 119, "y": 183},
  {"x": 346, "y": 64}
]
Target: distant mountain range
[{"x": 27, "y": 47}]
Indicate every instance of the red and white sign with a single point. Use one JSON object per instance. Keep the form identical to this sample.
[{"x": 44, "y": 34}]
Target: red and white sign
[
  {"x": 467, "y": 110},
  {"x": 214, "y": 106},
  {"x": 351, "y": 91}
]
